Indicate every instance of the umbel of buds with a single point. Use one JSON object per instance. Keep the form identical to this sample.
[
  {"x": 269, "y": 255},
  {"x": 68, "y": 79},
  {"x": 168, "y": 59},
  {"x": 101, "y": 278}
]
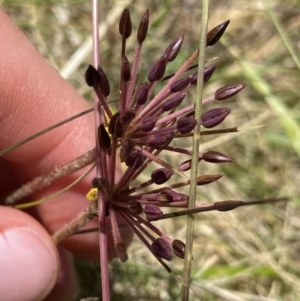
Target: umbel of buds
[{"x": 146, "y": 124}]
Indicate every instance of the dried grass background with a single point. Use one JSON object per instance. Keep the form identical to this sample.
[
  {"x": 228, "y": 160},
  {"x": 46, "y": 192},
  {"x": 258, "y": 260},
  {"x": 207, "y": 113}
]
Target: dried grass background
[{"x": 247, "y": 254}]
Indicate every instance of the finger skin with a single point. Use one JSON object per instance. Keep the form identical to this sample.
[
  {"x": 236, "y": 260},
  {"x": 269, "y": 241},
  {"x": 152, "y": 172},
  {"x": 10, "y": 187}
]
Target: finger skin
[
  {"x": 32, "y": 97},
  {"x": 67, "y": 286},
  {"x": 29, "y": 261}
]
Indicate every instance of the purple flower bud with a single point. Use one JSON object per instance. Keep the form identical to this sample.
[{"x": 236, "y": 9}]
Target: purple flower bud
[
  {"x": 206, "y": 179},
  {"x": 143, "y": 27},
  {"x": 180, "y": 84},
  {"x": 157, "y": 70},
  {"x": 173, "y": 49},
  {"x": 97, "y": 79},
  {"x": 125, "y": 70},
  {"x": 135, "y": 159},
  {"x": 92, "y": 77},
  {"x": 103, "y": 138},
  {"x": 186, "y": 165},
  {"x": 216, "y": 33},
  {"x": 148, "y": 123},
  {"x": 125, "y": 24},
  {"x": 104, "y": 83},
  {"x": 178, "y": 248},
  {"x": 142, "y": 94},
  {"x": 215, "y": 157},
  {"x": 115, "y": 127},
  {"x": 228, "y": 91},
  {"x": 214, "y": 117},
  {"x": 227, "y": 205},
  {"x": 194, "y": 78},
  {"x": 100, "y": 183},
  {"x": 169, "y": 195},
  {"x": 126, "y": 117},
  {"x": 153, "y": 213},
  {"x": 208, "y": 72},
  {"x": 183, "y": 198},
  {"x": 172, "y": 102},
  {"x": 126, "y": 149},
  {"x": 135, "y": 207},
  {"x": 161, "y": 139},
  {"x": 185, "y": 124},
  {"x": 161, "y": 175},
  {"x": 162, "y": 249}
]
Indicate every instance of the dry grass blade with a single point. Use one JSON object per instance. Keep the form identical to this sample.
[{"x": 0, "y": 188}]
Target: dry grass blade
[
  {"x": 36, "y": 135},
  {"x": 52, "y": 196},
  {"x": 46, "y": 180}
]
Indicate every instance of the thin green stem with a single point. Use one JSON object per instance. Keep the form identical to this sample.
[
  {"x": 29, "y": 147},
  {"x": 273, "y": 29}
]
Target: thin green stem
[
  {"x": 196, "y": 144},
  {"x": 286, "y": 40}
]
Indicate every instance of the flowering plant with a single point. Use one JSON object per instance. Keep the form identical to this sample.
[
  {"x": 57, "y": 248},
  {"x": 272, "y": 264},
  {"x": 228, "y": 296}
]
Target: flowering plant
[{"x": 143, "y": 127}]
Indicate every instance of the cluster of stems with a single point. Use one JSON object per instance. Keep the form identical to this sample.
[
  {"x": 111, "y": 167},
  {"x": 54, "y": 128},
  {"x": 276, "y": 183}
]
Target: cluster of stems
[{"x": 144, "y": 126}]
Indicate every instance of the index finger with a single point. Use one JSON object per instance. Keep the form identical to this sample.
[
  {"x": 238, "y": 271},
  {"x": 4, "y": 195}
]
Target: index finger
[{"x": 34, "y": 96}]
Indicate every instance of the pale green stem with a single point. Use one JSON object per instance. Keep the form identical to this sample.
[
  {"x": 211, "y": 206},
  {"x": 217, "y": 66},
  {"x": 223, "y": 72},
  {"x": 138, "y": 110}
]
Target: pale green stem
[
  {"x": 283, "y": 34},
  {"x": 196, "y": 143}
]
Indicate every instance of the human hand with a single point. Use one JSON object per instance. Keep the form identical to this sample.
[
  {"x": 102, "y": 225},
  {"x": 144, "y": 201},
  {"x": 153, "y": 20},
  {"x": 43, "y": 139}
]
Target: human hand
[{"x": 32, "y": 97}]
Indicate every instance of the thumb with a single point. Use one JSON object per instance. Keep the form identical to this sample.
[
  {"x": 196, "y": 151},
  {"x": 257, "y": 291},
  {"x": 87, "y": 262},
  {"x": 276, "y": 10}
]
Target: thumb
[{"x": 29, "y": 261}]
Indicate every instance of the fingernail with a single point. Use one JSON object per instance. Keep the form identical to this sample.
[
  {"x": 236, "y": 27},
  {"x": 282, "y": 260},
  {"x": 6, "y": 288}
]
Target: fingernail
[{"x": 28, "y": 266}]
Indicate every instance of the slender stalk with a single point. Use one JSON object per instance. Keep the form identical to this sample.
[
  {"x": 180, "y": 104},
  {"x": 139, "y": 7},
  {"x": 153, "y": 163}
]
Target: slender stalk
[
  {"x": 100, "y": 157},
  {"x": 77, "y": 223},
  {"x": 196, "y": 143},
  {"x": 46, "y": 180},
  {"x": 49, "y": 197},
  {"x": 221, "y": 206},
  {"x": 40, "y": 133},
  {"x": 283, "y": 33}
]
